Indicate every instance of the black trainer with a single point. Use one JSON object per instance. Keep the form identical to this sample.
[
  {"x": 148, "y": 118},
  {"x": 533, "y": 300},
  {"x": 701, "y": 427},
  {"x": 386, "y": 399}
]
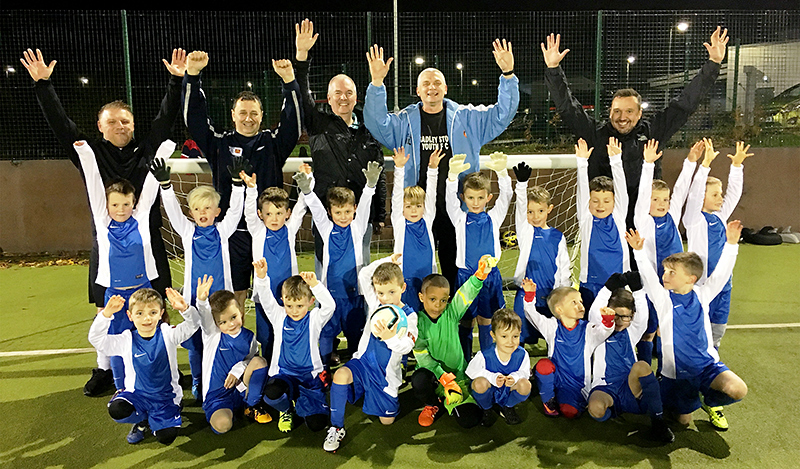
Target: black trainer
[
  {"x": 489, "y": 417},
  {"x": 660, "y": 432},
  {"x": 100, "y": 382},
  {"x": 511, "y": 416}
]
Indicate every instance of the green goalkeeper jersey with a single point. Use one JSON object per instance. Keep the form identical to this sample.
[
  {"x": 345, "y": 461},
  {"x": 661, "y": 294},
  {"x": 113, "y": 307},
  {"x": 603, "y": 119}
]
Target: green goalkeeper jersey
[{"x": 438, "y": 347}]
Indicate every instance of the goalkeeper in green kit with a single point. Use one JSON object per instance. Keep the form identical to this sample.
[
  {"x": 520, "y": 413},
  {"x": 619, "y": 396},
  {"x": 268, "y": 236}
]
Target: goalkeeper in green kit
[{"x": 439, "y": 380}]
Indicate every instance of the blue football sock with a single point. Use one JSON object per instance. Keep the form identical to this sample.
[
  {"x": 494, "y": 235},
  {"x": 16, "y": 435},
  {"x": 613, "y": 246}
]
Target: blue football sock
[
  {"x": 281, "y": 404},
  {"x": 644, "y": 351},
  {"x": 605, "y": 416},
  {"x": 255, "y": 387},
  {"x": 118, "y": 371},
  {"x": 339, "y": 394},
  {"x": 485, "y": 336},
  {"x": 465, "y": 334},
  {"x": 515, "y": 398},
  {"x": 714, "y": 398},
  {"x": 546, "y": 384},
  {"x": 484, "y": 400},
  {"x": 651, "y": 395},
  {"x": 196, "y": 365}
]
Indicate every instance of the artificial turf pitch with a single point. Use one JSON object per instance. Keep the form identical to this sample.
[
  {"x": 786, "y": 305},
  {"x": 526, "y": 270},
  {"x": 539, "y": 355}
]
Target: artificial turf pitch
[{"x": 48, "y": 422}]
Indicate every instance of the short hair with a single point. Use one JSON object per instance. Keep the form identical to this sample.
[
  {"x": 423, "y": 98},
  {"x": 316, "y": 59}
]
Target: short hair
[
  {"x": 659, "y": 185},
  {"x": 430, "y": 69},
  {"x": 690, "y": 261},
  {"x": 219, "y": 301},
  {"x": 387, "y": 273},
  {"x": 505, "y": 318},
  {"x": 539, "y": 194},
  {"x": 118, "y": 104},
  {"x": 557, "y": 296},
  {"x": 435, "y": 281},
  {"x": 203, "y": 193},
  {"x": 476, "y": 181},
  {"x": 120, "y": 186},
  {"x": 338, "y": 196},
  {"x": 340, "y": 76},
  {"x": 414, "y": 195},
  {"x": 601, "y": 184},
  {"x": 622, "y": 298},
  {"x": 148, "y": 296},
  {"x": 628, "y": 93},
  {"x": 247, "y": 96},
  {"x": 712, "y": 180},
  {"x": 275, "y": 196},
  {"x": 295, "y": 288}
]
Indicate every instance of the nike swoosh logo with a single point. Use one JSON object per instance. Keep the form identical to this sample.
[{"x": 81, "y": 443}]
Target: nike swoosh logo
[
  {"x": 224, "y": 349},
  {"x": 559, "y": 340},
  {"x": 388, "y": 412},
  {"x": 288, "y": 329},
  {"x": 712, "y": 224},
  {"x": 195, "y": 238},
  {"x": 470, "y": 222},
  {"x": 139, "y": 355},
  {"x": 259, "y": 148},
  {"x": 659, "y": 226}
]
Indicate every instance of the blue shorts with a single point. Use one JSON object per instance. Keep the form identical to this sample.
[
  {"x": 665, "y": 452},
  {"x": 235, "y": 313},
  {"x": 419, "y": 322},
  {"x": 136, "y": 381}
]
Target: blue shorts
[
  {"x": 720, "y": 306},
  {"x": 529, "y": 334},
  {"x": 683, "y": 395},
  {"x": 489, "y": 299},
  {"x": 652, "y": 319},
  {"x": 307, "y": 395},
  {"x": 624, "y": 400},
  {"x": 121, "y": 322},
  {"x": 222, "y": 398},
  {"x": 349, "y": 317},
  {"x": 160, "y": 413},
  {"x": 411, "y": 295},
  {"x": 376, "y": 401}
]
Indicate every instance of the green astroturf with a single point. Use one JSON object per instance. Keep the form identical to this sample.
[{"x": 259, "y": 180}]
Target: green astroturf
[{"x": 47, "y": 422}]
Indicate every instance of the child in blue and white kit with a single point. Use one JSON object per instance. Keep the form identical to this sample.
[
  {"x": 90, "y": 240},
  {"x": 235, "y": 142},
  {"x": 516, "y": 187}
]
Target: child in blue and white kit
[
  {"x": 273, "y": 226},
  {"x": 656, "y": 215},
  {"x": 151, "y": 396},
  {"x": 294, "y": 384},
  {"x": 478, "y": 234},
  {"x": 205, "y": 243},
  {"x": 375, "y": 372},
  {"x": 232, "y": 373},
  {"x": 126, "y": 261},
  {"x": 707, "y": 212},
  {"x": 343, "y": 235},
  {"x": 413, "y": 212},
  {"x": 543, "y": 255},
  {"x": 601, "y": 211}
]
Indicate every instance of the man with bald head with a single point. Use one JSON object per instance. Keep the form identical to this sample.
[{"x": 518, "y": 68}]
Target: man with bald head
[
  {"x": 437, "y": 123},
  {"x": 341, "y": 146}
]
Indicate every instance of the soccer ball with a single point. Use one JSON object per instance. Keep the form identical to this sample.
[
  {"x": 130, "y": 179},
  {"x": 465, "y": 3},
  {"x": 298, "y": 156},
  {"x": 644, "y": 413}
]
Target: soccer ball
[
  {"x": 392, "y": 315},
  {"x": 508, "y": 239}
]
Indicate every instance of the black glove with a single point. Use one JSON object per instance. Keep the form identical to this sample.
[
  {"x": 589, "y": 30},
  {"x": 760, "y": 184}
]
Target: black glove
[
  {"x": 634, "y": 280},
  {"x": 615, "y": 281},
  {"x": 240, "y": 164},
  {"x": 522, "y": 171},
  {"x": 161, "y": 172}
]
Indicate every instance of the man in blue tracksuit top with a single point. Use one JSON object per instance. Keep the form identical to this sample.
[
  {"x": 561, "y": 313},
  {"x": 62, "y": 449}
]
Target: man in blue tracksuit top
[{"x": 437, "y": 123}]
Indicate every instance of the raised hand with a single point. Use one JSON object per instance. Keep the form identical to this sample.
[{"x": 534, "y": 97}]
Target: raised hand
[
  {"x": 522, "y": 171},
  {"x": 310, "y": 278},
  {"x": 582, "y": 150},
  {"x": 305, "y": 168},
  {"x": 284, "y": 69},
  {"x": 239, "y": 165},
  {"x": 484, "y": 267},
  {"x": 400, "y": 158},
  {"x": 113, "y": 306},
  {"x": 160, "y": 171},
  {"x": 633, "y": 279},
  {"x": 304, "y": 39},
  {"x": 435, "y": 158},
  {"x": 249, "y": 181},
  {"x": 651, "y": 153},
  {"x": 303, "y": 181},
  {"x": 34, "y": 64},
  {"x": 204, "y": 287},
  {"x": 178, "y": 65},
  {"x": 373, "y": 173},
  {"x": 741, "y": 154},
  {"x": 551, "y": 54},
  {"x": 498, "y": 162},
  {"x": 396, "y": 258},
  {"x": 696, "y": 151},
  {"x": 528, "y": 286},
  {"x": 709, "y": 154},
  {"x": 196, "y": 61},
  {"x": 634, "y": 239},
  {"x": 613, "y": 147},
  {"x": 733, "y": 231},
  {"x": 719, "y": 41},
  {"x": 503, "y": 55},
  {"x": 176, "y": 300},
  {"x": 377, "y": 67},
  {"x": 457, "y": 166},
  {"x": 260, "y": 268}
]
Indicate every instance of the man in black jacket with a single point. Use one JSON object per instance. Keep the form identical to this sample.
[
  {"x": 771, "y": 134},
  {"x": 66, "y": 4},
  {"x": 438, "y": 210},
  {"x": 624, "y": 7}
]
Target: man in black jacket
[
  {"x": 341, "y": 146},
  {"x": 625, "y": 122},
  {"x": 119, "y": 155}
]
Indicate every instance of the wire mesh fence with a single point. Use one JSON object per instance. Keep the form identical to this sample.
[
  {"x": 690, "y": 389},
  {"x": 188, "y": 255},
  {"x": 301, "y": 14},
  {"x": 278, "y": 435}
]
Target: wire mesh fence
[{"x": 107, "y": 55}]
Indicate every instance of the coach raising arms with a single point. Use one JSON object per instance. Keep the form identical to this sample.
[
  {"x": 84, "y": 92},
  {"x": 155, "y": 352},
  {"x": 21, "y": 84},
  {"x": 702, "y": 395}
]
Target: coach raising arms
[
  {"x": 119, "y": 155},
  {"x": 625, "y": 121}
]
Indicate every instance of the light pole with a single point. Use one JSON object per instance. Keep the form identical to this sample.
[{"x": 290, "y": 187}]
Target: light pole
[
  {"x": 419, "y": 60},
  {"x": 460, "y": 68},
  {"x": 681, "y": 27},
  {"x": 631, "y": 59}
]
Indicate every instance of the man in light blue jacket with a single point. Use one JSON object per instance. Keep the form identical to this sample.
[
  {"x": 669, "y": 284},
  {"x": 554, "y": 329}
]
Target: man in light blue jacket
[{"x": 439, "y": 123}]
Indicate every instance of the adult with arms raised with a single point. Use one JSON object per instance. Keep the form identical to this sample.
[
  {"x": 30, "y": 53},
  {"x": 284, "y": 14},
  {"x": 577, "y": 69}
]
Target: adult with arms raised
[{"x": 119, "y": 155}]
